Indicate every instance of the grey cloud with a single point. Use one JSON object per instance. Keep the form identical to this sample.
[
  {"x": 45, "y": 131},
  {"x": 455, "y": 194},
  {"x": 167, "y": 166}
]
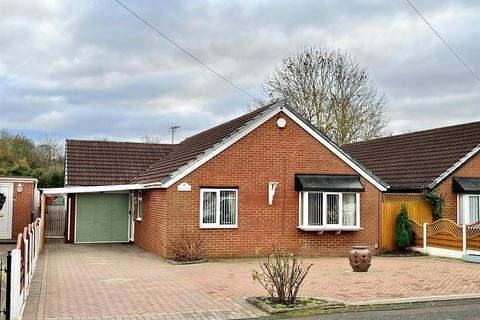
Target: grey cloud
[{"x": 88, "y": 69}]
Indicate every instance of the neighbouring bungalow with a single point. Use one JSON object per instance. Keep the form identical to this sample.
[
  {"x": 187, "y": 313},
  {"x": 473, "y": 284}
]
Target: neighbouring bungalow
[
  {"x": 18, "y": 205},
  {"x": 266, "y": 178},
  {"x": 444, "y": 159}
]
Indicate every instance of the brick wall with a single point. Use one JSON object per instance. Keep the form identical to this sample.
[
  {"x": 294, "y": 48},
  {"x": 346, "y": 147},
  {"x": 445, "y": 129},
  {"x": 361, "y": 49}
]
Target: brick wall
[
  {"x": 266, "y": 154},
  {"x": 22, "y": 208},
  {"x": 470, "y": 169},
  {"x": 150, "y": 233}
]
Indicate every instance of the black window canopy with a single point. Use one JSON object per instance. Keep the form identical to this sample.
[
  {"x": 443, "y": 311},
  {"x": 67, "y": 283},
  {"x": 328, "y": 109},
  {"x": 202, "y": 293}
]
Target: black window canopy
[
  {"x": 328, "y": 182},
  {"x": 466, "y": 185}
]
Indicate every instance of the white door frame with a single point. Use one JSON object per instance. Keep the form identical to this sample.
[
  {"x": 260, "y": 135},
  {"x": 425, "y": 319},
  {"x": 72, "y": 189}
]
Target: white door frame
[
  {"x": 132, "y": 218},
  {"x": 8, "y": 206}
]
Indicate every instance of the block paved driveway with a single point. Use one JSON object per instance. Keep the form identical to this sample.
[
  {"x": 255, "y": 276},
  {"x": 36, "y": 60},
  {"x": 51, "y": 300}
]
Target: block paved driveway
[{"x": 123, "y": 280}]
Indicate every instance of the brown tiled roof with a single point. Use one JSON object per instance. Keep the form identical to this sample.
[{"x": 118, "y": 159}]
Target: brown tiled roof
[
  {"x": 194, "y": 146},
  {"x": 415, "y": 160},
  {"x": 94, "y": 163}
]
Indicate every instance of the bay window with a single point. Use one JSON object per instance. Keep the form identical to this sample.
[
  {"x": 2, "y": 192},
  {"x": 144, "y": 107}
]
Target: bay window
[
  {"x": 329, "y": 210},
  {"x": 218, "y": 208}
]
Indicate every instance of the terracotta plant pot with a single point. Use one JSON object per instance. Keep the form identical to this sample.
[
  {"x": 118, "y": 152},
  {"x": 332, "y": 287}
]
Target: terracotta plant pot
[{"x": 360, "y": 258}]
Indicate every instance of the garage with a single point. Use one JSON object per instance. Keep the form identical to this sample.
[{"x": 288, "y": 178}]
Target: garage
[{"x": 102, "y": 217}]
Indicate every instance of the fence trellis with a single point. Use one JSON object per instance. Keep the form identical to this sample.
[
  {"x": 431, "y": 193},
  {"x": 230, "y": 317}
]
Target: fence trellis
[{"x": 447, "y": 235}]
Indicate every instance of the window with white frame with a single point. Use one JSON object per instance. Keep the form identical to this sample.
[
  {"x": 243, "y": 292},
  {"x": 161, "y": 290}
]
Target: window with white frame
[
  {"x": 468, "y": 208},
  {"x": 218, "y": 208},
  {"x": 140, "y": 206},
  {"x": 334, "y": 210},
  {"x": 137, "y": 205}
]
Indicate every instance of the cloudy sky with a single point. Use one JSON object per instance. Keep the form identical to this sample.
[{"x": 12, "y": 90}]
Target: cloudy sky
[{"x": 88, "y": 69}]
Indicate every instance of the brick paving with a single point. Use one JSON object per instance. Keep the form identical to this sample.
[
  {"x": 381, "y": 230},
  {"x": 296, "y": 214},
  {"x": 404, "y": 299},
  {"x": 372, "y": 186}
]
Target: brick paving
[{"x": 82, "y": 281}]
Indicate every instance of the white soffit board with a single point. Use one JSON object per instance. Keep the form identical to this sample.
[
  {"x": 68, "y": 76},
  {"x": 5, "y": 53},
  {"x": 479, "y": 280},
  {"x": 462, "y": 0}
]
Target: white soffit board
[
  {"x": 454, "y": 167},
  {"x": 92, "y": 189}
]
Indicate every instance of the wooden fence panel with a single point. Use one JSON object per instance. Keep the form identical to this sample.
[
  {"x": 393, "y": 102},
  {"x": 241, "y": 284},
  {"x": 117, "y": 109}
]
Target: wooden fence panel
[
  {"x": 445, "y": 240},
  {"x": 418, "y": 210},
  {"x": 473, "y": 243}
]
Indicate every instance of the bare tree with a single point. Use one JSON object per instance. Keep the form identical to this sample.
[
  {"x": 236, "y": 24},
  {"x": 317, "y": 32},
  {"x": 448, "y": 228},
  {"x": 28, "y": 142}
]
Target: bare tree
[
  {"x": 331, "y": 91},
  {"x": 151, "y": 139},
  {"x": 50, "y": 149}
]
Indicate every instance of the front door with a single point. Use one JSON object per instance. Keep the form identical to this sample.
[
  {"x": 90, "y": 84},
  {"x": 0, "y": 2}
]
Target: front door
[{"x": 6, "y": 198}]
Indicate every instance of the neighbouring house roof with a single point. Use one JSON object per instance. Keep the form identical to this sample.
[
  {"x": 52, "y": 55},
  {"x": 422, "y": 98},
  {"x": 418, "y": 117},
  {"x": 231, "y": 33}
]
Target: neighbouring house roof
[
  {"x": 100, "y": 163},
  {"x": 418, "y": 160}
]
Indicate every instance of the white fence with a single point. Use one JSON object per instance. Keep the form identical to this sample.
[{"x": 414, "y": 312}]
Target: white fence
[{"x": 23, "y": 264}]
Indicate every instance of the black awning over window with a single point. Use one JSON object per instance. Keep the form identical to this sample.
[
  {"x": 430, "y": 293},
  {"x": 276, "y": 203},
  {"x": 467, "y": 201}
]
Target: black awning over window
[
  {"x": 326, "y": 182},
  {"x": 466, "y": 185}
]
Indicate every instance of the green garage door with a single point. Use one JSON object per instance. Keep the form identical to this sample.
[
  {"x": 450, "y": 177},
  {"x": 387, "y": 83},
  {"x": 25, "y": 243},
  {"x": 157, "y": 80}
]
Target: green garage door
[{"x": 102, "y": 217}]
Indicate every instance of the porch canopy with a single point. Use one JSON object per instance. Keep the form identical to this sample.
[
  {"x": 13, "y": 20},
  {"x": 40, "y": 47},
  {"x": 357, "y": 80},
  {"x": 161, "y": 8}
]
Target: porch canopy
[
  {"x": 466, "y": 185},
  {"x": 326, "y": 182}
]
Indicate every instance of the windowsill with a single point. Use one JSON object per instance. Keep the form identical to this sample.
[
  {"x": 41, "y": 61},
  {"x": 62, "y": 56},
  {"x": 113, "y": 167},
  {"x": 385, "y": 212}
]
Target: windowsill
[
  {"x": 330, "y": 228},
  {"x": 138, "y": 219},
  {"x": 217, "y": 227}
]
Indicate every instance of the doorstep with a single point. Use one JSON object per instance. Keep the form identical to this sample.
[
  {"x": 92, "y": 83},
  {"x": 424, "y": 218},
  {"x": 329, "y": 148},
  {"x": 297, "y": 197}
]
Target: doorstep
[{"x": 474, "y": 258}]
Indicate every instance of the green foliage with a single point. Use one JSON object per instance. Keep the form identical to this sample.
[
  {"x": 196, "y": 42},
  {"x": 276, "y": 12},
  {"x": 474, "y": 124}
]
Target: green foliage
[
  {"x": 20, "y": 168},
  {"x": 437, "y": 201},
  {"x": 403, "y": 228},
  {"x": 20, "y": 156}
]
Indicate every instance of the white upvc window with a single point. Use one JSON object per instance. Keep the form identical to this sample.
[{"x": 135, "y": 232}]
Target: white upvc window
[
  {"x": 218, "y": 208},
  {"x": 329, "y": 211},
  {"x": 468, "y": 211},
  {"x": 137, "y": 205}
]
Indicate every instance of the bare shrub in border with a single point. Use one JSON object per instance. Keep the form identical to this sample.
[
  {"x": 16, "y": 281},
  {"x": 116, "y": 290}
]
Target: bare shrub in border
[
  {"x": 187, "y": 246},
  {"x": 282, "y": 275}
]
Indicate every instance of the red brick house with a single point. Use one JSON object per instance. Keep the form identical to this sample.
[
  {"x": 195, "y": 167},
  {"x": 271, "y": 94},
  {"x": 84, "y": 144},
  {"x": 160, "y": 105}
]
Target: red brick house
[
  {"x": 18, "y": 203},
  {"x": 265, "y": 178},
  {"x": 446, "y": 159}
]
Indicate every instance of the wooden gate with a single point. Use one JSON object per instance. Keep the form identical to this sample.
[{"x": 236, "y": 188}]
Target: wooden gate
[
  {"x": 55, "y": 219},
  {"x": 418, "y": 210}
]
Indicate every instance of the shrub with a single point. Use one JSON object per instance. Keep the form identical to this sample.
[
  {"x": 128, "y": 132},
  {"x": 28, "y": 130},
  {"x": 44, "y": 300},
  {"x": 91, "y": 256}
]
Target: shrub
[
  {"x": 403, "y": 228},
  {"x": 282, "y": 276},
  {"x": 437, "y": 201},
  {"x": 188, "y": 246}
]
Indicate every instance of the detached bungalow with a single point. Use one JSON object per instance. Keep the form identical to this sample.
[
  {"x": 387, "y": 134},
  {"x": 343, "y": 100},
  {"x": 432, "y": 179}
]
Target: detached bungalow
[{"x": 265, "y": 178}]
